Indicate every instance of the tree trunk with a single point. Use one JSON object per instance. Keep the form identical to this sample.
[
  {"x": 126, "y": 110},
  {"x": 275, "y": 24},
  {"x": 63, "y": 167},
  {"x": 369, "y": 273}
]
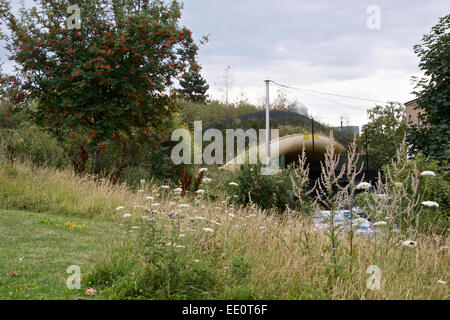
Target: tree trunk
[{"x": 95, "y": 163}]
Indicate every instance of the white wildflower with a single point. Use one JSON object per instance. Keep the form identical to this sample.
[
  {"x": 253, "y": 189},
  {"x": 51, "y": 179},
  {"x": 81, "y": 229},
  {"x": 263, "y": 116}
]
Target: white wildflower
[
  {"x": 380, "y": 223},
  {"x": 206, "y": 180},
  {"x": 142, "y": 181},
  {"x": 180, "y": 246},
  {"x": 126, "y": 215},
  {"x": 363, "y": 186},
  {"x": 200, "y": 191},
  {"x": 156, "y": 204},
  {"x": 120, "y": 208},
  {"x": 208, "y": 230},
  {"x": 165, "y": 187},
  {"x": 430, "y": 204},
  {"x": 196, "y": 260},
  {"x": 135, "y": 227},
  {"x": 182, "y": 235},
  {"x": 215, "y": 222},
  {"x": 442, "y": 282},
  {"x": 199, "y": 218},
  {"x": 428, "y": 173},
  {"x": 183, "y": 205},
  {"x": 150, "y": 198},
  {"x": 233, "y": 184},
  {"x": 177, "y": 190},
  {"x": 409, "y": 243},
  {"x": 203, "y": 170},
  {"x": 231, "y": 215}
]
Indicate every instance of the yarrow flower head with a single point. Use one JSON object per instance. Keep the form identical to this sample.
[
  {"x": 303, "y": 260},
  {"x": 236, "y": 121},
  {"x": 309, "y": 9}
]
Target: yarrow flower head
[
  {"x": 203, "y": 170},
  {"x": 428, "y": 173},
  {"x": 233, "y": 184},
  {"x": 150, "y": 198},
  {"x": 430, "y": 204},
  {"x": 380, "y": 223},
  {"x": 177, "y": 190},
  {"x": 207, "y": 180},
  {"x": 126, "y": 215},
  {"x": 165, "y": 187},
  {"x": 208, "y": 230},
  {"x": 409, "y": 243},
  {"x": 120, "y": 208},
  {"x": 363, "y": 186}
]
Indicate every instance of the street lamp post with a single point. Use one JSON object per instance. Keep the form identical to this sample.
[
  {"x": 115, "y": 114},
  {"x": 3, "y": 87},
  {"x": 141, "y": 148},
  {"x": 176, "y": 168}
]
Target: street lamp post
[{"x": 267, "y": 124}]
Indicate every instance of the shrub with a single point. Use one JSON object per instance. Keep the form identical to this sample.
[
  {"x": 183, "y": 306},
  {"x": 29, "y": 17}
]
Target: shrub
[
  {"x": 406, "y": 174},
  {"x": 32, "y": 144},
  {"x": 266, "y": 191}
]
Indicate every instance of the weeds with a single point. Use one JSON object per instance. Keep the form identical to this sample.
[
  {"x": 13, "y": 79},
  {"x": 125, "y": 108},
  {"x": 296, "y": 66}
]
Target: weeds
[{"x": 250, "y": 253}]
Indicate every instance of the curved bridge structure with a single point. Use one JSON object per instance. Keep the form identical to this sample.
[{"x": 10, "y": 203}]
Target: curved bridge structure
[{"x": 290, "y": 147}]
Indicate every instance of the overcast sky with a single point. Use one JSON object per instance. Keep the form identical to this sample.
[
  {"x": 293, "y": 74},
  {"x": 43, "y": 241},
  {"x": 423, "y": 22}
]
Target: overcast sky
[{"x": 322, "y": 45}]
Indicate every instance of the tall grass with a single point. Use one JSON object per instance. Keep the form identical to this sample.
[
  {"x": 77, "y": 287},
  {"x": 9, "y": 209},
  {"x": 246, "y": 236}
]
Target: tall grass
[
  {"x": 43, "y": 189},
  {"x": 251, "y": 253}
]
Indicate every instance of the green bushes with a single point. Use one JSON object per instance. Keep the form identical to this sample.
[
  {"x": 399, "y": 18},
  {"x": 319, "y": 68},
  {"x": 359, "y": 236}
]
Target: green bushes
[
  {"x": 32, "y": 144},
  {"x": 435, "y": 188},
  {"x": 266, "y": 191}
]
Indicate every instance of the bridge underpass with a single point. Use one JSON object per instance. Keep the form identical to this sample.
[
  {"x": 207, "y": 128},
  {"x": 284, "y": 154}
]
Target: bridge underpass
[{"x": 290, "y": 148}]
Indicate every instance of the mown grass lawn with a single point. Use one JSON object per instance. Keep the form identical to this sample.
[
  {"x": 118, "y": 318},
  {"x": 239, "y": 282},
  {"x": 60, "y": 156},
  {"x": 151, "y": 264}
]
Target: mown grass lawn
[{"x": 39, "y": 248}]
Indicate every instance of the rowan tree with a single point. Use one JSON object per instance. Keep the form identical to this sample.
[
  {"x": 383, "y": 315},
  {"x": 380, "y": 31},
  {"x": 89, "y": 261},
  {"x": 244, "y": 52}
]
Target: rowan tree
[{"x": 114, "y": 74}]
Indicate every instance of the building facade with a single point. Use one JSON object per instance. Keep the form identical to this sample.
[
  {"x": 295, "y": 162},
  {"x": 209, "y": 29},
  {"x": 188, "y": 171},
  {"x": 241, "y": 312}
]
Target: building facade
[{"x": 412, "y": 114}]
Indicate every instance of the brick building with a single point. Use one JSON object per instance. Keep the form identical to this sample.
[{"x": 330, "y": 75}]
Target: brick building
[{"x": 412, "y": 114}]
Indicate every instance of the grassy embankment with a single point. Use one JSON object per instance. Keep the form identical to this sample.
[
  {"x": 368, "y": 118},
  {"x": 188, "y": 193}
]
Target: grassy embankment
[{"x": 249, "y": 255}]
